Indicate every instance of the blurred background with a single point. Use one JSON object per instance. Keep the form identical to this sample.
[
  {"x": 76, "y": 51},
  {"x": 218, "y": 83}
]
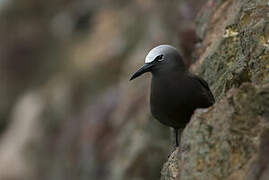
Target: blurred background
[{"x": 67, "y": 108}]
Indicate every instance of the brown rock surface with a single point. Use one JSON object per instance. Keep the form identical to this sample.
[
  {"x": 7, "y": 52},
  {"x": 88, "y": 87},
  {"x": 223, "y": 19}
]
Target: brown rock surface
[{"x": 229, "y": 140}]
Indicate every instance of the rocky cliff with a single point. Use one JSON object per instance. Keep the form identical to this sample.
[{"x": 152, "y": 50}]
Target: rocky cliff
[
  {"x": 229, "y": 141},
  {"x": 68, "y": 111}
]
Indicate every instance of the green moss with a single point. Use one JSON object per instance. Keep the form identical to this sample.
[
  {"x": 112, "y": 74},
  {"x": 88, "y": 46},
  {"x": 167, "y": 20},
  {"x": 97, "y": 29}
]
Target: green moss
[
  {"x": 243, "y": 53},
  {"x": 224, "y": 139}
]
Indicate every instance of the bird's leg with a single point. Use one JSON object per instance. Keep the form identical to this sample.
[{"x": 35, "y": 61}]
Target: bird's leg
[
  {"x": 176, "y": 137},
  {"x": 176, "y": 132}
]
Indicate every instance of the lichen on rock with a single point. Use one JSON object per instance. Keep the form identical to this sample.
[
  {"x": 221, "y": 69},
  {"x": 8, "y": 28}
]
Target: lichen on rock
[
  {"x": 227, "y": 141},
  {"x": 223, "y": 139}
]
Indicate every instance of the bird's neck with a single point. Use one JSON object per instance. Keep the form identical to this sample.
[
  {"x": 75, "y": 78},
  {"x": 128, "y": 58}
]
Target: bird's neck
[{"x": 168, "y": 72}]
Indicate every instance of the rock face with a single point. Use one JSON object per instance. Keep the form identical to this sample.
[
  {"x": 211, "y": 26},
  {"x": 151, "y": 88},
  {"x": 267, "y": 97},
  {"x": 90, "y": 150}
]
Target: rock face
[
  {"x": 229, "y": 140},
  {"x": 68, "y": 111}
]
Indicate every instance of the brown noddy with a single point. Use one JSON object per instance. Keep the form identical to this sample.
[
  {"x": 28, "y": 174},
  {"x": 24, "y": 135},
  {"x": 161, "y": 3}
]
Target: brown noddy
[{"x": 175, "y": 92}]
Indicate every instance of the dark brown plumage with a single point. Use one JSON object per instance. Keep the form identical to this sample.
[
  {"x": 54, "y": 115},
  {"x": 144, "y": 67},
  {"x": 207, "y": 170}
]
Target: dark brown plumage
[{"x": 175, "y": 92}]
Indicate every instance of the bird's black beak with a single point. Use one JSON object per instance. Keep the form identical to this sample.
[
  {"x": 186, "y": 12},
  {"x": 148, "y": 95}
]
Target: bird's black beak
[{"x": 145, "y": 68}]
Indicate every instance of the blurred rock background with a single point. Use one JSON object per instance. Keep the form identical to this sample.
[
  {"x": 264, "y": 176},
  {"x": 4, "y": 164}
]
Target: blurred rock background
[{"x": 67, "y": 109}]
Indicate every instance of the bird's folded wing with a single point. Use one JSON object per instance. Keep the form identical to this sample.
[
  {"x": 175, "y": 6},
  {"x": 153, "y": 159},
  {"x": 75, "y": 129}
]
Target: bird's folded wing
[{"x": 205, "y": 85}]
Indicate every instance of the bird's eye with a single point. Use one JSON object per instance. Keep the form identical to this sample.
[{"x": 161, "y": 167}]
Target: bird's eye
[{"x": 159, "y": 58}]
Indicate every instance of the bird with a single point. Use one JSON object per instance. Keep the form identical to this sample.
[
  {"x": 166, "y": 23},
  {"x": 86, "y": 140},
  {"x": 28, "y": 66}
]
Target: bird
[{"x": 175, "y": 92}]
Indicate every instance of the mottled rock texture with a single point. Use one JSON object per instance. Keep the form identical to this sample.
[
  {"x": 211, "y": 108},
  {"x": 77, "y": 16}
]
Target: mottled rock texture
[
  {"x": 68, "y": 111},
  {"x": 229, "y": 141}
]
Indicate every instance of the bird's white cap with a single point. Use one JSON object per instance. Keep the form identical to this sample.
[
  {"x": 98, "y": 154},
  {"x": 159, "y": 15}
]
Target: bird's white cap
[{"x": 157, "y": 51}]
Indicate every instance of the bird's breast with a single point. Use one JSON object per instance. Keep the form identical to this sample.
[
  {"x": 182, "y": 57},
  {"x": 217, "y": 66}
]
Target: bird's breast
[{"x": 169, "y": 102}]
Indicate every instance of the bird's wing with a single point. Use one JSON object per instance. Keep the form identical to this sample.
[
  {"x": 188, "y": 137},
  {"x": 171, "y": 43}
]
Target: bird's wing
[
  {"x": 205, "y": 85},
  {"x": 203, "y": 82}
]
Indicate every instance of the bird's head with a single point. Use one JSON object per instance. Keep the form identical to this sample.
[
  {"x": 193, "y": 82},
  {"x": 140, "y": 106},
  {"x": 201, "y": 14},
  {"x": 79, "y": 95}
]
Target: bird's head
[{"x": 161, "y": 59}]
